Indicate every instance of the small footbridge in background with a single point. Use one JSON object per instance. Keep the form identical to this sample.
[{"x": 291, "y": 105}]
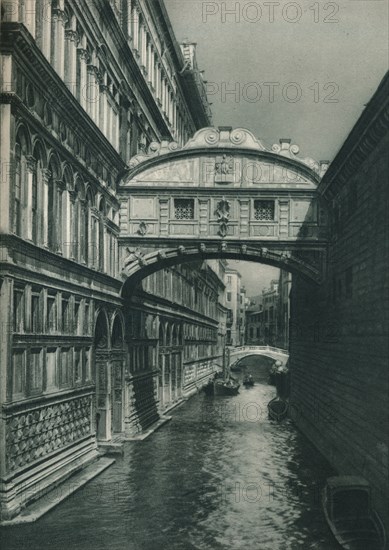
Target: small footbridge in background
[{"x": 239, "y": 353}]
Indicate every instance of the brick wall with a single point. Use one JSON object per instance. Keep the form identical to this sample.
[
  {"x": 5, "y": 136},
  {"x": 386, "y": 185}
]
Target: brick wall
[{"x": 339, "y": 330}]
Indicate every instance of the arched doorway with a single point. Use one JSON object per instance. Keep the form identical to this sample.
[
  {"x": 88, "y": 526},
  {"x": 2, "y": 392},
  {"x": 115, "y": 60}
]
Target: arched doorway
[
  {"x": 117, "y": 356},
  {"x": 103, "y": 382}
]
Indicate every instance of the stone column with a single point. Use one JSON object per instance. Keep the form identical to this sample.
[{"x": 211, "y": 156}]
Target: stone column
[
  {"x": 58, "y": 16},
  {"x": 71, "y": 60},
  {"x": 135, "y": 18},
  {"x": 103, "y": 108},
  {"x": 46, "y": 174},
  {"x": 27, "y": 206},
  {"x": 59, "y": 214},
  {"x": 74, "y": 233},
  {"x": 82, "y": 85},
  {"x": 45, "y": 21},
  {"x": 67, "y": 223}
]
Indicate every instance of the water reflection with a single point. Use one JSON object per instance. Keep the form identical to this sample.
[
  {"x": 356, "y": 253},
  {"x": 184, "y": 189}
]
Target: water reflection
[{"x": 220, "y": 475}]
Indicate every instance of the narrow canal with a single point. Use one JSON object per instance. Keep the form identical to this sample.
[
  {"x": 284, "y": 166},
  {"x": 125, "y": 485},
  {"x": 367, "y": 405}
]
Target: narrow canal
[{"x": 219, "y": 476}]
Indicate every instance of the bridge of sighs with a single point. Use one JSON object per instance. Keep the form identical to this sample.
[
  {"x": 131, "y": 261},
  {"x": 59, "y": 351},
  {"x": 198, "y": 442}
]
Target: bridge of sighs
[{"x": 222, "y": 195}]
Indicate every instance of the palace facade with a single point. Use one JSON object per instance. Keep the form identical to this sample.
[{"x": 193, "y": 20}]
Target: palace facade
[{"x": 86, "y": 86}]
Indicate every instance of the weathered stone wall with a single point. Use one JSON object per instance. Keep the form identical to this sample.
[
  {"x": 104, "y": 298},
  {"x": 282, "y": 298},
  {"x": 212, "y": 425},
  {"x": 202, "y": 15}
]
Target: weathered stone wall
[{"x": 339, "y": 330}]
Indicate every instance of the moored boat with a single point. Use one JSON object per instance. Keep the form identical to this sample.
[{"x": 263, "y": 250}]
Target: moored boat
[
  {"x": 248, "y": 380},
  {"x": 347, "y": 509},
  {"x": 226, "y": 387},
  {"x": 277, "y": 408}
]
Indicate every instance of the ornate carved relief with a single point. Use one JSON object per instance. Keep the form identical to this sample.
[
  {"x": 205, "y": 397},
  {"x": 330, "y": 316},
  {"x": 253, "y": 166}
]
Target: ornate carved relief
[
  {"x": 223, "y": 208},
  {"x": 142, "y": 229}
]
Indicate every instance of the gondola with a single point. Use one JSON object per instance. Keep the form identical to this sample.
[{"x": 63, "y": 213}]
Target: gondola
[
  {"x": 248, "y": 381},
  {"x": 219, "y": 386},
  {"x": 278, "y": 409},
  {"x": 347, "y": 509}
]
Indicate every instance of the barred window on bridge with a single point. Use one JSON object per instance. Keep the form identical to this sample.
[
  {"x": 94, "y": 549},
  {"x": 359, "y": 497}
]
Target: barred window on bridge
[
  {"x": 264, "y": 210},
  {"x": 184, "y": 209}
]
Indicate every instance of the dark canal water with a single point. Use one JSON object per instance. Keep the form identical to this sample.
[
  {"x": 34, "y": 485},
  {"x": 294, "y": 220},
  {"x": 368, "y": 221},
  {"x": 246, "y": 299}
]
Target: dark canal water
[{"x": 219, "y": 476}]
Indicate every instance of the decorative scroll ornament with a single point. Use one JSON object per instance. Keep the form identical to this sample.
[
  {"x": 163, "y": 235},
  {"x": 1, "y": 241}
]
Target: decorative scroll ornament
[
  {"x": 142, "y": 229},
  {"x": 285, "y": 149},
  {"x": 223, "y": 216},
  {"x": 155, "y": 150}
]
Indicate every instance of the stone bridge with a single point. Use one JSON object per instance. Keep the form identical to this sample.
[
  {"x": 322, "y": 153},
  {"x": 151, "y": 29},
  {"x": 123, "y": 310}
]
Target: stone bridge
[
  {"x": 222, "y": 195},
  {"x": 236, "y": 354}
]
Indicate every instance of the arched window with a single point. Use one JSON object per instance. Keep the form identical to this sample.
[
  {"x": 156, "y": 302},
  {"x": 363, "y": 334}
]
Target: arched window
[
  {"x": 78, "y": 236},
  {"x": 101, "y": 331},
  {"x": 54, "y": 213},
  {"x": 17, "y": 217},
  {"x": 20, "y": 190},
  {"x": 102, "y": 211},
  {"x": 37, "y": 193},
  {"x": 89, "y": 231},
  {"x": 117, "y": 333}
]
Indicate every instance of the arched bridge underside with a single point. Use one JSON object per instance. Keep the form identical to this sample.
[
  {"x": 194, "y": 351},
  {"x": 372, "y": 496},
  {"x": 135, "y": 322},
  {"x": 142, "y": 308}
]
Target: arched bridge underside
[
  {"x": 222, "y": 195},
  {"x": 237, "y": 354}
]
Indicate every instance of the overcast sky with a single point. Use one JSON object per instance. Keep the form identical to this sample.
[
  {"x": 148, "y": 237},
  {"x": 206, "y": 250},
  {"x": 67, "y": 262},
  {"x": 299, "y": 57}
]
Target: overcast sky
[
  {"x": 325, "y": 59},
  {"x": 314, "y": 52}
]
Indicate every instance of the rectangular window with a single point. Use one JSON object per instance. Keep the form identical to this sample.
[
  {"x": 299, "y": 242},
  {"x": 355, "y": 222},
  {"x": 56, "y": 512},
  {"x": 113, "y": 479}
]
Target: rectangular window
[
  {"x": 51, "y": 314},
  {"x": 51, "y": 368},
  {"x": 86, "y": 319},
  {"x": 35, "y": 367},
  {"x": 77, "y": 311},
  {"x": 65, "y": 315},
  {"x": 86, "y": 365},
  {"x": 18, "y": 372},
  {"x": 65, "y": 370},
  {"x": 35, "y": 313},
  {"x": 229, "y": 296},
  {"x": 184, "y": 209},
  {"x": 78, "y": 365},
  {"x": 18, "y": 307},
  {"x": 264, "y": 210}
]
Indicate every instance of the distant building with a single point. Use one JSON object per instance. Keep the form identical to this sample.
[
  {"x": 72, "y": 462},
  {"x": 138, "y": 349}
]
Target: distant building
[
  {"x": 284, "y": 289},
  {"x": 236, "y": 304},
  {"x": 254, "y": 321},
  {"x": 267, "y": 315}
]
